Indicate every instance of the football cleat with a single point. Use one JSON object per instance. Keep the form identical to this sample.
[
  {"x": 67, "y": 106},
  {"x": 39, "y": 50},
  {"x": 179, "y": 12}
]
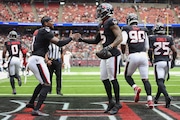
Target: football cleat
[
  {"x": 168, "y": 102},
  {"x": 150, "y": 104},
  {"x": 137, "y": 92},
  {"x": 38, "y": 113},
  {"x": 155, "y": 101},
  {"x": 59, "y": 93},
  {"x": 30, "y": 105},
  {"x": 115, "y": 109},
  {"x": 110, "y": 106}
]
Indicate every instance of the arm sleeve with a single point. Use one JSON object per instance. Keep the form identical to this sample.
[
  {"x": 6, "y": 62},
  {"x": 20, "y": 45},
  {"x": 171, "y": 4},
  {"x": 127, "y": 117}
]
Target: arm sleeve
[
  {"x": 92, "y": 41},
  {"x": 61, "y": 43}
]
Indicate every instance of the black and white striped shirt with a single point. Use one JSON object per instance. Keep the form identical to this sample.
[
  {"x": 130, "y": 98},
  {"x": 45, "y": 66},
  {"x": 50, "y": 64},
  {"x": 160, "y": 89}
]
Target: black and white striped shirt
[{"x": 54, "y": 51}]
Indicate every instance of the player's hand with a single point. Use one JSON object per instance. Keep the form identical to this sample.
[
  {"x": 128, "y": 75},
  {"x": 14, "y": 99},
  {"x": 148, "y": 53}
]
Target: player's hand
[
  {"x": 74, "y": 36},
  {"x": 49, "y": 62}
]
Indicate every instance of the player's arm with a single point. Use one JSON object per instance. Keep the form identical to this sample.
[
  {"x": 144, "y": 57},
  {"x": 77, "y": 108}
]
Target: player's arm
[
  {"x": 118, "y": 35},
  {"x": 24, "y": 52},
  {"x": 61, "y": 43},
  {"x": 92, "y": 41},
  {"x": 123, "y": 44},
  {"x": 150, "y": 51},
  {"x": 174, "y": 55}
]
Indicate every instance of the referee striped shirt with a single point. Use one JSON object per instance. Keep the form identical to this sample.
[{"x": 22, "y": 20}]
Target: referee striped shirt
[{"x": 54, "y": 51}]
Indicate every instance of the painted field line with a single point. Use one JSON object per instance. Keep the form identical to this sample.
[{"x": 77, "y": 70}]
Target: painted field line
[{"x": 100, "y": 94}]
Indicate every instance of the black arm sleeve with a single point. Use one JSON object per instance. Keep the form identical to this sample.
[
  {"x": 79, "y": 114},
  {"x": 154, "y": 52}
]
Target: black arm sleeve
[
  {"x": 150, "y": 55},
  {"x": 61, "y": 43},
  {"x": 123, "y": 49},
  {"x": 174, "y": 55},
  {"x": 92, "y": 41}
]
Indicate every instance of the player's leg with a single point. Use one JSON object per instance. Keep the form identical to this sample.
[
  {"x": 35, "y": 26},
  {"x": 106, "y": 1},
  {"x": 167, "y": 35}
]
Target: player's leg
[
  {"x": 113, "y": 69},
  {"x": 130, "y": 68},
  {"x": 11, "y": 70},
  {"x": 143, "y": 69},
  {"x": 34, "y": 96},
  {"x": 41, "y": 72},
  {"x": 161, "y": 71},
  {"x": 17, "y": 67},
  {"x": 107, "y": 85}
]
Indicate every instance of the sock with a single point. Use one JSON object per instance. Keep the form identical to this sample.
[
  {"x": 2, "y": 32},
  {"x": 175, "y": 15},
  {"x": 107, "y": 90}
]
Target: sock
[
  {"x": 43, "y": 94},
  {"x": 116, "y": 89},
  {"x": 147, "y": 86},
  {"x": 35, "y": 94},
  {"x": 162, "y": 87},
  {"x": 108, "y": 88},
  {"x": 129, "y": 80},
  {"x": 158, "y": 94},
  {"x": 12, "y": 82}
]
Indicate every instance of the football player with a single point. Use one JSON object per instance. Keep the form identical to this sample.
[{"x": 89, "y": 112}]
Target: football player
[
  {"x": 13, "y": 47},
  {"x": 160, "y": 47},
  {"x": 110, "y": 37},
  {"x": 137, "y": 41},
  {"x": 36, "y": 63}
]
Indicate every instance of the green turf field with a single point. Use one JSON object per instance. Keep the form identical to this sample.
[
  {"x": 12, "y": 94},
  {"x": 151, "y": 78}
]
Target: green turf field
[{"x": 88, "y": 84}]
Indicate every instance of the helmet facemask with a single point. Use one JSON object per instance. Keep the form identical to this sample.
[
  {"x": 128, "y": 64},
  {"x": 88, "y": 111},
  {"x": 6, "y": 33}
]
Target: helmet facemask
[
  {"x": 159, "y": 28},
  {"x": 12, "y": 35},
  {"x": 104, "y": 10},
  {"x": 132, "y": 18}
]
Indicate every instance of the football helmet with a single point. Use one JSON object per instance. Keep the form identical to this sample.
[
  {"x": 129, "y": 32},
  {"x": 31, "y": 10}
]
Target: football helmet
[
  {"x": 132, "y": 18},
  {"x": 104, "y": 10},
  {"x": 159, "y": 28},
  {"x": 12, "y": 35}
]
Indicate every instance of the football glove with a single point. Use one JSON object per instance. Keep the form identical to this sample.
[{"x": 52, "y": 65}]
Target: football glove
[{"x": 104, "y": 53}]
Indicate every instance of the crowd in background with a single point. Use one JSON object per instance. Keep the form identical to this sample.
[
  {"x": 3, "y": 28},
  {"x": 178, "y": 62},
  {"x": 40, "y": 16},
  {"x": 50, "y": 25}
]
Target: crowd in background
[{"x": 81, "y": 13}]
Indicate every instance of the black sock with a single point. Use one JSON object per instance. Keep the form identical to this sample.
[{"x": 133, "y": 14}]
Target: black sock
[
  {"x": 129, "y": 80},
  {"x": 12, "y": 82},
  {"x": 116, "y": 89},
  {"x": 43, "y": 94},
  {"x": 147, "y": 86},
  {"x": 162, "y": 87},
  {"x": 158, "y": 94},
  {"x": 108, "y": 88},
  {"x": 35, "y": 94}
]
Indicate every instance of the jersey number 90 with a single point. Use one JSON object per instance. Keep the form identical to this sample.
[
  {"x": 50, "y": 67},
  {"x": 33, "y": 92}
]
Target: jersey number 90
[{"x": 137, "y": 36}]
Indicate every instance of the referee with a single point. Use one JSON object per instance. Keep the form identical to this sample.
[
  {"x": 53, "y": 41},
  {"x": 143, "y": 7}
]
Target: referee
[{"x": 54, "y": 60}]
